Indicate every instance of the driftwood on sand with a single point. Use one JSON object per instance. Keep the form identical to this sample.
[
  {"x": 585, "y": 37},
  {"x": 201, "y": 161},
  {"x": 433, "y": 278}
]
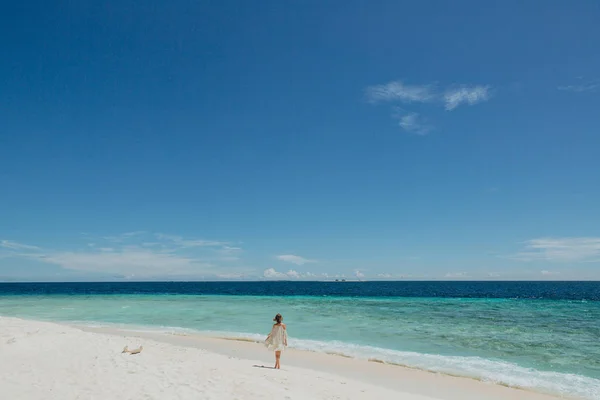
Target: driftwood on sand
[{"x": 134, "y": 351}]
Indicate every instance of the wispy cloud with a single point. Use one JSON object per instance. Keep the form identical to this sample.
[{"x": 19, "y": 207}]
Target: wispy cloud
[
  {"x": 456, "y": 275},
  {"x": 229, "y": 253},
  {"x": 9, "y": 244},
  {"x": 549, "y": 273},
  {"x": 129, "y": 262},
  {"x": 465, "y": 94},
  {"x": 121, "y": 237},
  {"x": 572, "y": 249},
  {"x": 230, "y": 250},
  {"x": 182, "y": 242},
  {"x": 131, "y": 254},
  {"x": 134, "y": 233},
  {"x": 411, "y": 122},
  {"x": 290, "y": 258},
  {"x": 451, "y": 98},
  {"x": 229, "y": 276},
  {"x": 399, "y": 91},
  {"x": 581, "y": 87}
]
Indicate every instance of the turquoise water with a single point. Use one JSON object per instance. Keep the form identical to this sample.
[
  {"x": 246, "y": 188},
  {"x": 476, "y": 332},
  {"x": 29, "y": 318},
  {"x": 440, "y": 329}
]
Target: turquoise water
[{"x": 544, "y": 345}]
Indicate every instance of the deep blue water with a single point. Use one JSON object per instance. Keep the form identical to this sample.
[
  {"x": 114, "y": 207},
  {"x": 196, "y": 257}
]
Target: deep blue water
[{"x": 589, "y": 291}]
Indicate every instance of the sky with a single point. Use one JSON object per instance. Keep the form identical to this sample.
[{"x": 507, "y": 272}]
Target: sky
[{"x": 202, "y": 140}]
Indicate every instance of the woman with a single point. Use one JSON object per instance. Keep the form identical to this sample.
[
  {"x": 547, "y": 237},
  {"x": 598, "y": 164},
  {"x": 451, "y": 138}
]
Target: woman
[{"x": 277, "y": 339}]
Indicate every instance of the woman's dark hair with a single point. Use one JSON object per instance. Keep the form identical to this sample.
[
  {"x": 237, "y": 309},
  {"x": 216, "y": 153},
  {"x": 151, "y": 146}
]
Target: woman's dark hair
[{"x": 278, "y": 318}]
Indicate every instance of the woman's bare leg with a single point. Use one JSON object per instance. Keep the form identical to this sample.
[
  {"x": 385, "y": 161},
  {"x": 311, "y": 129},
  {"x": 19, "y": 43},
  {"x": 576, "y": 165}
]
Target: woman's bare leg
[{"x": 277, "y": 357}]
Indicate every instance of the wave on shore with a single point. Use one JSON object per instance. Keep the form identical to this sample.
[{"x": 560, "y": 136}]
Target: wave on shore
[{"x": 495, "y": 371}]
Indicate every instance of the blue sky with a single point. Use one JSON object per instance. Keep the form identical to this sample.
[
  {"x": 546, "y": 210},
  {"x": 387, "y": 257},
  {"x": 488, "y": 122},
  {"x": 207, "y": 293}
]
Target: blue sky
[{"x": 282, "y": 140}]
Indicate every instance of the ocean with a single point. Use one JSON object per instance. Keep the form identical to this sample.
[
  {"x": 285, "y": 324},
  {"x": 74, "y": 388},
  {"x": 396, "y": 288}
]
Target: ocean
[{"x": 542, "y": 336}]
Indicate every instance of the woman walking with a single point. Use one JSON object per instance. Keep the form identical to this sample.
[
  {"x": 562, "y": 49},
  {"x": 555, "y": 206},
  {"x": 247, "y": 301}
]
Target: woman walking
[{"x": 277, "y": 339}]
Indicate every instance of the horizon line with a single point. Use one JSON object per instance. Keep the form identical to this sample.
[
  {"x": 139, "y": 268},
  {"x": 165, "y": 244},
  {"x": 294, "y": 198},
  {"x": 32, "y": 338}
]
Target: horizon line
[{"x": 339, "y": 280}]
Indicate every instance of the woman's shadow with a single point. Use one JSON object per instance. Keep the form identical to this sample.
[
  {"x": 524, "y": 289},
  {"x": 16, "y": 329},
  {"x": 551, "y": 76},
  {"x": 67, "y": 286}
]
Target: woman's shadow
[{"x": 262, "y": 366}]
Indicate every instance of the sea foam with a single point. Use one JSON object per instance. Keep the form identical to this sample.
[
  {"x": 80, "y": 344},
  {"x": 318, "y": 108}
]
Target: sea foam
[{"x": 496, "y": 371}]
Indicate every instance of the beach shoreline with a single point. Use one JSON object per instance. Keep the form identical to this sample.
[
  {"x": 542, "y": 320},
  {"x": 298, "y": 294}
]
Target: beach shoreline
[{"x": 33, "y": 345}]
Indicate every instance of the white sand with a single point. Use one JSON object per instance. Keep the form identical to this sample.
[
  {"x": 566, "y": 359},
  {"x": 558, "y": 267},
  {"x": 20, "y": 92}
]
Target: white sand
[{"x": 40, "y": 360}]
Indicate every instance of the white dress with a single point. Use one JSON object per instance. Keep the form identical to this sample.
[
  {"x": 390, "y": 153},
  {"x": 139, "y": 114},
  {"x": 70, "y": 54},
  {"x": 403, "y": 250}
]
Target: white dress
[{"x": 277, "y": 339}]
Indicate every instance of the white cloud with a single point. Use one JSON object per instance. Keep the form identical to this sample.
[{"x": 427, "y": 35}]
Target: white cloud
[
  {"x": 9, "y": 244},
  {"x": 398, "y": 91},
  {"x": 493, "y": 275},
  {"x": 385, "y": 276},
  {"x": 464, "y": 94},
  {"x": 590, "y": 86},
  {"x": 293, "y": 274},
  {"x": 359, "y": 274},
  {"x": 290, "y": 258},
  {"x": 411, "y": 122},
  {"x": 574, "y": 249},
  {"x": 271, "y": 273}
]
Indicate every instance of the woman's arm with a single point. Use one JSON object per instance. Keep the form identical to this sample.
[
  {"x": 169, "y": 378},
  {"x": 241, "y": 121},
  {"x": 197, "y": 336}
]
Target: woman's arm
[{"x": 268, "y": 337}]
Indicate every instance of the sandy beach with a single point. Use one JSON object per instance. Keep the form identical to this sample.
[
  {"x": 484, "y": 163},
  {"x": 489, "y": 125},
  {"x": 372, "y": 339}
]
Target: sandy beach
[{"x": 42, "y": 360}]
